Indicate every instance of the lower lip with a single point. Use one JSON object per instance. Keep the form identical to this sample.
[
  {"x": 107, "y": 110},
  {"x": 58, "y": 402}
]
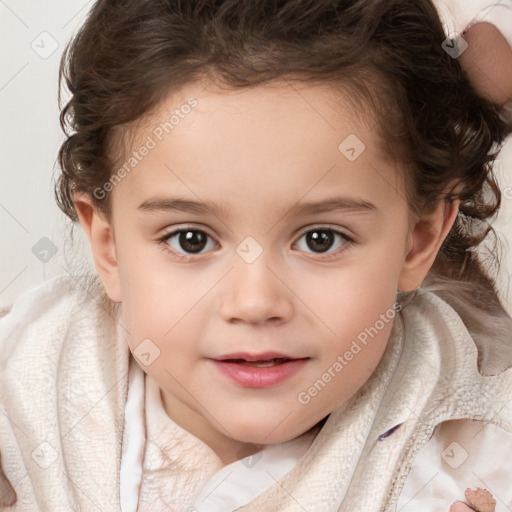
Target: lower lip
[{"x": 259, "y": 377}]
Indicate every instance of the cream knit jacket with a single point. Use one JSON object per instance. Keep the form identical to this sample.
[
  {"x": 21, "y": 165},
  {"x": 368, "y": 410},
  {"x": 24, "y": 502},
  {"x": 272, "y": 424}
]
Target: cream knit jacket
[{"x": 63, "y": 387}]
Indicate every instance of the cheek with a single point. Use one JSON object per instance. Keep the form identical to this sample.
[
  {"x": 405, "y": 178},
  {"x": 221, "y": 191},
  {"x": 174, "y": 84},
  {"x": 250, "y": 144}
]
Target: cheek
[
  {"x": 165, "y": 304},
  {"x": 353, "y": 309},
  {"x": 351, "y": 298},
  {"x": 348, "y": 358},
  {"x": 362, "y": 327},
  {"x": 155, "y": 294}
]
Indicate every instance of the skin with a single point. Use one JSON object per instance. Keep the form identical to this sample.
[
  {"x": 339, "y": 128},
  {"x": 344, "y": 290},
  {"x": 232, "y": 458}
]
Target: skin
[
  {"x": 258, "y": 152},
  {"x": 479, "y": 499},
  {"x": 488, "y": 62}
]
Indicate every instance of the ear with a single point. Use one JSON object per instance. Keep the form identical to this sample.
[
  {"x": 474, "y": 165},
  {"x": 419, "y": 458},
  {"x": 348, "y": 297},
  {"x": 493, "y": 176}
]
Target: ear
[
  {"x": 488, "y": 62},
  {"x": 424, "y": 243},
  {"x": 101, "y": 238}
]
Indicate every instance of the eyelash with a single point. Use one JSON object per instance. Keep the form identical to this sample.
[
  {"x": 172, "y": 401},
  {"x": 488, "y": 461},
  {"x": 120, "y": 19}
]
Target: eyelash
[{"x": 163, "y": 242}]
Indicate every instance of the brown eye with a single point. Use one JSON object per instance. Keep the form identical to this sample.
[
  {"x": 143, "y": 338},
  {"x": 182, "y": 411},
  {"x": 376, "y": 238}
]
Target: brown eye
[
  {"x": 192, "y": 241},
  {"x": 319, "y": 240},
  {"x": 188, "y": 241},
  {"x": 322, "y": 240}
]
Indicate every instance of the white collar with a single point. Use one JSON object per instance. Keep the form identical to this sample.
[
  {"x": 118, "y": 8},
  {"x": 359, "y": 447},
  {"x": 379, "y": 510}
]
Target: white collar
[{"x": 241, "y": 480}]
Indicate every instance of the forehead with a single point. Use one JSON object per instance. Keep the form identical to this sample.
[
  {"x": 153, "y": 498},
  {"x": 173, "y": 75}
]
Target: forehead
[{"x": 283, "y": 138}]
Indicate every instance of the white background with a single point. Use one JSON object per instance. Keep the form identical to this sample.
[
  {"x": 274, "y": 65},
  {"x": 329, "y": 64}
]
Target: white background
[{"x": 30, "y": 138}]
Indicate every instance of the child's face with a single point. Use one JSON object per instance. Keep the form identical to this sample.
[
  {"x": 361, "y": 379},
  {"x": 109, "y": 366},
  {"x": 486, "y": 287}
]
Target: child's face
[{"x": 256, "y": 283}]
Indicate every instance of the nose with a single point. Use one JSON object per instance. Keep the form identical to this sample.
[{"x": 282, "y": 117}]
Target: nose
[{"x": 254, "y": 293}]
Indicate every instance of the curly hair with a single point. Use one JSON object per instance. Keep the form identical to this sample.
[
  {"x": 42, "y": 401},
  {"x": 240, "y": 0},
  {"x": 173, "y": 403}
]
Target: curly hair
[{"x": 130, "y": 54}]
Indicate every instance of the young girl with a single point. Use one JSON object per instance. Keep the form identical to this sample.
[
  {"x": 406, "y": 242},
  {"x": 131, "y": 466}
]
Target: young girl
[{"x": 283, "y": 201}]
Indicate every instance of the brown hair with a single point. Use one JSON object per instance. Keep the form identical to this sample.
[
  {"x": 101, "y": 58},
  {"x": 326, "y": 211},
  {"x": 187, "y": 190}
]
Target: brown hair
[{"x": 130, "y": 54}]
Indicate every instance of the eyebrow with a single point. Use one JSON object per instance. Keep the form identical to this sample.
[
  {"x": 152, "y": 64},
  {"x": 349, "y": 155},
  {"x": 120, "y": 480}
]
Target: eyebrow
[{"x": 348, "y": 204}]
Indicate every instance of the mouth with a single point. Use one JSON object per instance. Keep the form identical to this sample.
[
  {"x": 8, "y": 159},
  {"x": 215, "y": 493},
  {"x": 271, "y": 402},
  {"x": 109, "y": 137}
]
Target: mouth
[
  {"x": 260, "y": 363},
  {"x": 258, "y": 370},
  {"x": 262, "y": 357}
]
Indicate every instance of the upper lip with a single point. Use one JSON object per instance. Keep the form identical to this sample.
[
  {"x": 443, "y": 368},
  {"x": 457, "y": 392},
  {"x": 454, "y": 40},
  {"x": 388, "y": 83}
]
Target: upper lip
[{"x": 255, "y": 357}]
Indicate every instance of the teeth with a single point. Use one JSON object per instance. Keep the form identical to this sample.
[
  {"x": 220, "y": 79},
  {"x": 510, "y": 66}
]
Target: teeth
[{"x": 261, "y": 364}]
